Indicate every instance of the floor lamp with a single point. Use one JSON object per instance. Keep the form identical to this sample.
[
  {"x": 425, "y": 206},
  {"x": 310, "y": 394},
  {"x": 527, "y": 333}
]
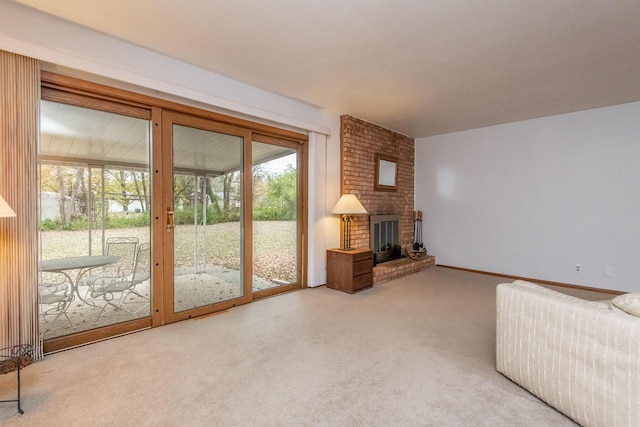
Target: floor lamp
[
  {"x": 7, "y": 212},
  {"x": 347, "y": 206}
]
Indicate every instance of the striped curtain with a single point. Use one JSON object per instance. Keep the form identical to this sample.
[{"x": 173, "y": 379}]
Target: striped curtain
[{"x": 19, "y": 133}]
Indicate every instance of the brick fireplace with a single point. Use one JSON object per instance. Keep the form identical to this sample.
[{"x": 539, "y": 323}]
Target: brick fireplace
[{"x": 359, "y": 143}]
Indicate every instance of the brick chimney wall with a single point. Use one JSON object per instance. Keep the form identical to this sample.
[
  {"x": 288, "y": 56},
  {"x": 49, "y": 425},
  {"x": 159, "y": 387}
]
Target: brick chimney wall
[{"x": 360, "y": 141}]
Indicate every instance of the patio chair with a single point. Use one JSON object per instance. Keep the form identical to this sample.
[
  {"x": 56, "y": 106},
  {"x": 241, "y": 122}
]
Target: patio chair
[
  {"x": 57, "y": 293},
  {"x": 124, "y": 247},
  {"x": 125, "y": 286}
]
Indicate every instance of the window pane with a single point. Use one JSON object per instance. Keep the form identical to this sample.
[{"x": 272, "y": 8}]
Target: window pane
[
  {"x": 94, "y": 219},
  {"x": 207, "y": 191},
  {"x": 275, "y": 216}
]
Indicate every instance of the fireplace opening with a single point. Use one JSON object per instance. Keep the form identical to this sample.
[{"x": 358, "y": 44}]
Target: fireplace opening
[{"x": 385, "y": 238}]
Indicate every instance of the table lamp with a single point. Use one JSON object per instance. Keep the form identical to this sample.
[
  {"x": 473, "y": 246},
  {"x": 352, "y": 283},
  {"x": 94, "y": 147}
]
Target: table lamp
[
  {"x": 347, "y": 206},
  {"x": 5, "y": 209}
]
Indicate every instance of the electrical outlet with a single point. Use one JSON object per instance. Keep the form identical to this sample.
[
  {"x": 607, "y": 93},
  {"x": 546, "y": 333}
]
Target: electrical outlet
[
  {"x": 608, "y": 272},
  {"x": 577, "y": 268}
]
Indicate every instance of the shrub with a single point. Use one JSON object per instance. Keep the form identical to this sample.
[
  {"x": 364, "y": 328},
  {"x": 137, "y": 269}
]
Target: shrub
[
  {"x": 127, "y": 221},
  {"x": 184, "y": 216},
  {"x": 79, "y": 223},
  {"x": 111, "y": 221},
  {"x": 49, "y": 225}
]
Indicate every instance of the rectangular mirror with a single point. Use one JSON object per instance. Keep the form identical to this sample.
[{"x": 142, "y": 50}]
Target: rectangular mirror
[{"x": 386, "y": 173}]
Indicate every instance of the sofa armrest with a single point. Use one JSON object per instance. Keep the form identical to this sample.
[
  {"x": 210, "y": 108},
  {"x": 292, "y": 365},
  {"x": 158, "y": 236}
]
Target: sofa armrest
[{"x": 579, "y": 356}]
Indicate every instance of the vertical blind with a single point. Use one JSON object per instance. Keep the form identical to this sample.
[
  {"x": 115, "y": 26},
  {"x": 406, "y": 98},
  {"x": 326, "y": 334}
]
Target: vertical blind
[{"x": 19, "y": 118}]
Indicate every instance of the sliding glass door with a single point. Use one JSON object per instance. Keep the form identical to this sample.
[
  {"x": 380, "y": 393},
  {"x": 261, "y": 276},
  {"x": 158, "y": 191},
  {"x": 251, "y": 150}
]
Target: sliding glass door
[
  {"x": 206, "y": 214},
  {"x": 153, "y": 212}
]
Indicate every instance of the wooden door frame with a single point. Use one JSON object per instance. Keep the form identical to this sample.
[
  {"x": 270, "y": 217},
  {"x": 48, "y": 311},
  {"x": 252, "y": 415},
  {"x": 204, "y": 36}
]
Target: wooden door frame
[
  {"x": 82, "y": 93},
  {"x": 302, "y": 206},
  {"x": 169, "y": 118}
]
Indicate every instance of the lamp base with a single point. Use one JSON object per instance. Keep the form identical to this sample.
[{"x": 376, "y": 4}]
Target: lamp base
[{"x": 346, "y": 241}]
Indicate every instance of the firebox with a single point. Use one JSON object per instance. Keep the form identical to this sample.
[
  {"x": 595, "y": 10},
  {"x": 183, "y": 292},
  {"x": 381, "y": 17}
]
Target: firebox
[{"x": 385, "y": 238}]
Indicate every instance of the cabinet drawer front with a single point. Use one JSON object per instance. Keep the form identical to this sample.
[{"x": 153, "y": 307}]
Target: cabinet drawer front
[
  {"x": 362, "y": 281},
  {"x": 362, "y": 256},
  {"x": 360, "y": 267}
]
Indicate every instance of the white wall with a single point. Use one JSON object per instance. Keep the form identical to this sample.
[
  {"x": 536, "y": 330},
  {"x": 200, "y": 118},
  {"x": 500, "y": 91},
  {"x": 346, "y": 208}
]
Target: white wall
[
  {"x": 536, "y": 197},
  {"x": 324, "y": 228},
  {"x": 70, "y": 47}
]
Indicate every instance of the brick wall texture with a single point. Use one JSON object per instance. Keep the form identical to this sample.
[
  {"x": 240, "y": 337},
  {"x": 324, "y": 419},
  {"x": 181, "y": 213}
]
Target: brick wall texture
[{"x": 360, "y": 142}]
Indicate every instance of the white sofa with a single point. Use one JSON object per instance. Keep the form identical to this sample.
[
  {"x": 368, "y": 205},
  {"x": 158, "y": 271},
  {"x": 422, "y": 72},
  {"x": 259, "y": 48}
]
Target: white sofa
[{"x": 581, "y": 357}]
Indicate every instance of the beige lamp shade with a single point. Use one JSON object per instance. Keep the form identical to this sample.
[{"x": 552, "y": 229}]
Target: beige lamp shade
[
  {"x": 348, "y": 205},
  {"x": 5, "y": 209}
]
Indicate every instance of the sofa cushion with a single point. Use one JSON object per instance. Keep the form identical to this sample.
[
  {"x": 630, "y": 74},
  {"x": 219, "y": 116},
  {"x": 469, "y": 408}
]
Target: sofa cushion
[{"x": 629, "y": 303}]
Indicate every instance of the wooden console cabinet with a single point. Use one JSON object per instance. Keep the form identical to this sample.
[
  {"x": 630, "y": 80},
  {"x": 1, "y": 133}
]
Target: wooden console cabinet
[{"x": 349, "y": 271}]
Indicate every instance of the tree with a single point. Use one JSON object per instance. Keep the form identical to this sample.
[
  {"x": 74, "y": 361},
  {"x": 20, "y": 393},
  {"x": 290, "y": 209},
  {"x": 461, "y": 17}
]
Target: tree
[
  {"x": 69, "y": 183},
  {"x": 141, "y": 189},
  {"x": 213, "y": 197},
  {"x": 280, "y": 201},
  {"x": 230, "y": 191},
  {"x": 259, "y": 177},
  {"x": 183, "y": 190}
]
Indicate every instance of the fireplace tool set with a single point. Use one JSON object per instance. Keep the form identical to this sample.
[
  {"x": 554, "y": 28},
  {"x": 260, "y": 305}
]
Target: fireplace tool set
[{"x": 418, "y": 250}]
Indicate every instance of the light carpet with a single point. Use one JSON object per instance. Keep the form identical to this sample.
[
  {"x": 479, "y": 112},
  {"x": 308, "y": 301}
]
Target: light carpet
[{"x": 419, "y": 350}]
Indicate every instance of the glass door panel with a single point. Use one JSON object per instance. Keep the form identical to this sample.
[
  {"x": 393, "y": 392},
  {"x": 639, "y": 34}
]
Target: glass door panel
[
  {"x": 208, "y": 267},
  {"x": 94, "y": 219},
  {"x": 276, "y": 236}
]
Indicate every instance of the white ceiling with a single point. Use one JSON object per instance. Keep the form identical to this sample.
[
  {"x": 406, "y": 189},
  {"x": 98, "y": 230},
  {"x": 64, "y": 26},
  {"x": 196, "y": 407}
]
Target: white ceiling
[{"x": 420, "y": 67}]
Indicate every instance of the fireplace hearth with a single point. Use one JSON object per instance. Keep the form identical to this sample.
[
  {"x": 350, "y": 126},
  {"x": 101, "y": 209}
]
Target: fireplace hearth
[{"x": 385, "y": 238}]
